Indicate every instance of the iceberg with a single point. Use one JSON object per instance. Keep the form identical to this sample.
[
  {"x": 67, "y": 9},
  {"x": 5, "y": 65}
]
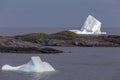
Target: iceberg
[
  {"x": 91, "y": 26},
  {"x": 34, "y": 65}
]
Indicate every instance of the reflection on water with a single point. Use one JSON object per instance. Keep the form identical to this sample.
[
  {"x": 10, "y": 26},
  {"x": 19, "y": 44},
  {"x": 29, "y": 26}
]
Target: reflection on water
[
  {"x": 29, "y": 76},
  {"x": 81, "y": 64},
  {"x": 41, "y": 76}
]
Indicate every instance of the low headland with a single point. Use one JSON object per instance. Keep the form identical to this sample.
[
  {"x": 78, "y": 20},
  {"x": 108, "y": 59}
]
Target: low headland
[{"x": 36, "y": 42}]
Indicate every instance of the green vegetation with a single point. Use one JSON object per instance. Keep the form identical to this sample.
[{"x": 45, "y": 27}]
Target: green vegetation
[
  {"x": 37, "y": 36},
  {"x": 33, "y": 36},
  {"x": 64, "y": 35}
]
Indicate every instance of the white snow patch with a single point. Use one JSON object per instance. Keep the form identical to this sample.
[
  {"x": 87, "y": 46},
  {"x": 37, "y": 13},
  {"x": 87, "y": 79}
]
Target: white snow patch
[
  {"x": 91, "y": 26},
  {"x": 34, "y": 65}
]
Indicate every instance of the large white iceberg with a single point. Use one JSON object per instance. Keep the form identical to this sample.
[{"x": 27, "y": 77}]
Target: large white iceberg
[
  {"x": 91, "y": 26},
  {"x": 34, "y": 65}
]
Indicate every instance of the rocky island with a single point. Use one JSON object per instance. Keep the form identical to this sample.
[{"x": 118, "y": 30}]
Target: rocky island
[
  {"x": 89, "y": 35},
  {"x": 67, "y": 38},
  {"x": 35, "y": 42}
]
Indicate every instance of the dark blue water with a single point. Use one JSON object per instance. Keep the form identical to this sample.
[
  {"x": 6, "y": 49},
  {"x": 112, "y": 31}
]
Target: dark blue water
[{"x": 80, "y": 64}]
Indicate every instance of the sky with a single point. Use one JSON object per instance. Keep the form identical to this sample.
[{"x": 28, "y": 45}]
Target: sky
[{"x": 58, "y": 13}]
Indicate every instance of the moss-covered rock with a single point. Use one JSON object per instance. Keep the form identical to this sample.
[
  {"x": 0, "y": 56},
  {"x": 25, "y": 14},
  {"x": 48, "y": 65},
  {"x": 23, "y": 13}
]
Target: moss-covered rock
[
  {"x": 32, "y": 36},
  {"x": 67, "y": 38},
  {"x": 37, "y": 36},
  {"x": 64, "y": 34}
]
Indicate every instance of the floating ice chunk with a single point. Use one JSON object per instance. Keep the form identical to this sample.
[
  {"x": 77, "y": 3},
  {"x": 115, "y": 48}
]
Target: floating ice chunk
[
  {"x": 91, "y": 26},
  {"x": 34, "y": 65}
]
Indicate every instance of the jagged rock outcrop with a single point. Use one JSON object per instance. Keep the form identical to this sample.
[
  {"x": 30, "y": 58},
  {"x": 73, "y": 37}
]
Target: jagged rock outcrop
[
  {"x": 66, "y": 38},
  {"x": 9, "y": 44},
  {"x": 35, "y": 42}
]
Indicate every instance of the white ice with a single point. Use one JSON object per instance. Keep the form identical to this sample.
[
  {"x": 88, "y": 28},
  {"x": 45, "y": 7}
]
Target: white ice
[
  {"x": 91, "y": 26},
  {"x": 34, "y": 65}
]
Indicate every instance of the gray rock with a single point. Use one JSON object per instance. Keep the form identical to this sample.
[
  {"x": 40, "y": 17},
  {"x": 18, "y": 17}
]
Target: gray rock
[{"x": 12, "y": 45}]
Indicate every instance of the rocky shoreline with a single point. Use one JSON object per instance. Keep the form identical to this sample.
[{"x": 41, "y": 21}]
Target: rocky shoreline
[
  {"x": 34, "y": 42},
  {"x": 11, "y": 45},
  {"x": 67, "y": 38}
]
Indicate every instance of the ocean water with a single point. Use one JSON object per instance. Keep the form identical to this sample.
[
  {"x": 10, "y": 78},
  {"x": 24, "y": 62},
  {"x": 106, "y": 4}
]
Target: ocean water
[
  {"x": 76, "y": 63},
  {"x": 9, "y": 31}
]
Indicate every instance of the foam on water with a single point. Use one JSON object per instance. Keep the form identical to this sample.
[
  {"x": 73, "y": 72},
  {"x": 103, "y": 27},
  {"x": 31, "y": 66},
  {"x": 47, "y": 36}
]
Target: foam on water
[{"x": 34, "y": 65}]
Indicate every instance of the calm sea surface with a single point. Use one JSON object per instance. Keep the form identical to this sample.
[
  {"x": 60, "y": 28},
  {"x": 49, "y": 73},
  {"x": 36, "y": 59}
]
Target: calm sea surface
[
  {"x": 77, "y": 63},
  {"x": 7, "y": 31},
  {"x": 80, "y": 64}
]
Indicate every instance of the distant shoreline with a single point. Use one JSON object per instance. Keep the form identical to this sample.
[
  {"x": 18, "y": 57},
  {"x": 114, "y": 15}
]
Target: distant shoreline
[{"x": 12, "y": 31}]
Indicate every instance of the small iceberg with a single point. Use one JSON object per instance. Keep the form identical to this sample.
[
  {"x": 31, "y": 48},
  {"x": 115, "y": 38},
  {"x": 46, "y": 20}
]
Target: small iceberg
[
  {"x": 34, "y": 65},
  {"x": 91, "y": 26}
]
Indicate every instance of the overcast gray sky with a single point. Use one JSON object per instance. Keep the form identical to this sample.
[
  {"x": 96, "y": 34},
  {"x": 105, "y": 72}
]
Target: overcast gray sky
[{"x": 57, "y": 13}]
